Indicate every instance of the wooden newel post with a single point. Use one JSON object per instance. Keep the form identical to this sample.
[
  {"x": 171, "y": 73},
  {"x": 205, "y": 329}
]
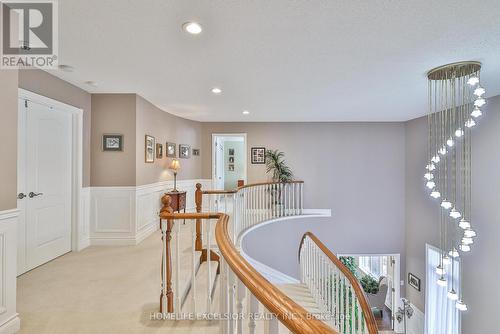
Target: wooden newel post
[
  {"x": 198, "y": 197},
  {"x": 166, "y": 265}
]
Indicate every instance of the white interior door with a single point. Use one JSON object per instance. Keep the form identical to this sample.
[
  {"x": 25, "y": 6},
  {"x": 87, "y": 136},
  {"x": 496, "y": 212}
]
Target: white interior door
[
  {"x": 219, "y": 163},
  {"x": 45, "y": 179}
]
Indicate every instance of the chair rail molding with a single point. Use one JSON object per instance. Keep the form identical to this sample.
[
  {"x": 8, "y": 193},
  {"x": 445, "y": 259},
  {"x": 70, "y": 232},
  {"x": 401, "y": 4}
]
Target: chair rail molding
[
  {"x": 128, "y": 215},
  {"x": 9, "y": 319}
]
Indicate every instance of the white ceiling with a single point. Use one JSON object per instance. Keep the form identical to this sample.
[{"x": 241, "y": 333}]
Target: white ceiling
[{"x": 283, "y": 60}]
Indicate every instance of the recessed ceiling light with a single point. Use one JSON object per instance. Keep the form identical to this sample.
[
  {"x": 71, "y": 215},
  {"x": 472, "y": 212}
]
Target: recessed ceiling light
[
  {"x": 91, "y": 83},
  {"x": 246, "y": 112},
  {"x": 216, "y": 90},
  {"x": 192, "y": 27},
  {"x": 66, "y": 68}
]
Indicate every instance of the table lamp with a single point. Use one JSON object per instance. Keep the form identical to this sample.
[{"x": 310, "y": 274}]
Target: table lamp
[{"x": 175, "y": 165}]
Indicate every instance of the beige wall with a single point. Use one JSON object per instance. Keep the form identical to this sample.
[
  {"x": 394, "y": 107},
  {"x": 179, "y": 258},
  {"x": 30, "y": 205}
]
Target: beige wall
[
  {"x": 8, "y": 139},
  {"x": 354, "y": 169},
  {"x": 481, "y": 264},
  {"x": 43, "y": 83},
  {"x": 165, "y": 127},
  {"x": 113, "y": 114}
]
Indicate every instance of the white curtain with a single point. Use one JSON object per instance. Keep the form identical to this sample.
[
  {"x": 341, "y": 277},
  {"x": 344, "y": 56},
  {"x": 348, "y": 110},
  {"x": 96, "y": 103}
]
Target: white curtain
[{"x": 441, "y": 315}]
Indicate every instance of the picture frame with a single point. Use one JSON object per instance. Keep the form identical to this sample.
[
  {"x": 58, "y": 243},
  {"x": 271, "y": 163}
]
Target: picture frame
[
  {"x": 231, "y": 151},
  {"x": 159, "y": 151},
  {"x": 414, "y": 281},
  {"x": 230, "y": 167},
  {"x": 196, "y": 152},
  {"x": 112, "y": 142},
  {"x": 258, "y": 155},
  {"x": 170, "y": 150},
  {"x": 231, "y": 160},
  {"x": 149, "y": 149},
  {"x": 184, "y": 151}
]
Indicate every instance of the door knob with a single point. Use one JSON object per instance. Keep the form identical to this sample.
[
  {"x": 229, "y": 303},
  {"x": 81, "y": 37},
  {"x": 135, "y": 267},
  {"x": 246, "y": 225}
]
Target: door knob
[
  {"x": 21, "y": 196},
  {"x": 32, "y": 194}
]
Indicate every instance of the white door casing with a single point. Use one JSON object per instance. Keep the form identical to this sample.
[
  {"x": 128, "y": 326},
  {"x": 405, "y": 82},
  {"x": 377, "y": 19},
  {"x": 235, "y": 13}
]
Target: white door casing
[
  {"x": 49, "y": 164},
  {"x": 218, "y": 157}
]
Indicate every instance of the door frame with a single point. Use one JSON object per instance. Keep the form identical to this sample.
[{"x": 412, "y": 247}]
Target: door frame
[
  {"x": 76, "y": 160},
  {"x": 238, "y": 135},
  {"x": 398, "y": 327}
]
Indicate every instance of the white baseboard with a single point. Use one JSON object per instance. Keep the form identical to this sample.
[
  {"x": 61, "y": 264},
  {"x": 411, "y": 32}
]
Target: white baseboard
[
  {"x": 416, "y": 324},
  {"x": 11, "y": 326},
  {"x": 128, "y": 215}
]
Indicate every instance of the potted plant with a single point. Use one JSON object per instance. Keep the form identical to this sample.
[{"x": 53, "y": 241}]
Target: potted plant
[{"x": 276, "y": 165}]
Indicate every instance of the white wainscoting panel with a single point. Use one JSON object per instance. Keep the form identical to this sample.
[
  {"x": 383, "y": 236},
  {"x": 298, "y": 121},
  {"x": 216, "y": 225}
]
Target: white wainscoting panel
[
  {"x": 416, "y": 323},
  {"x": 128, "y": 215},
  {"x": 9, "y": 320},
  {"x": 84, "y": 220}
]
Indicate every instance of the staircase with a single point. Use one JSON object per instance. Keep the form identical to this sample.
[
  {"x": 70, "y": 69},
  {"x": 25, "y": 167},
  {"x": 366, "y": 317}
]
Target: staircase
[{"x": 227, "y": 286}]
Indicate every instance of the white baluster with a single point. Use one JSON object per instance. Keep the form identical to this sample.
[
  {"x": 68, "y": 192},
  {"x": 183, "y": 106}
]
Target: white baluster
[
  {"x": 177, "y": 289},
  {"x": 163, "y": 226},
  {"x": 208, "y": 233},
  {"x": 240, "y": 297},
  {"x": 271, "y": 326},
  {"x": 230, "y": 294},
  {"x": 254, "y": 309},
  {"x": 224, "y": 329},
  {"x": 194, "y": 262},
  {"x": 301, "y": 198}
]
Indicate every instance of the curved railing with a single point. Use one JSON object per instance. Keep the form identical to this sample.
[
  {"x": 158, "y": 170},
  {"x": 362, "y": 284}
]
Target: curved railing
[
  {"x": 239, "y": 281},
  {"x": 334, "y": 288}
]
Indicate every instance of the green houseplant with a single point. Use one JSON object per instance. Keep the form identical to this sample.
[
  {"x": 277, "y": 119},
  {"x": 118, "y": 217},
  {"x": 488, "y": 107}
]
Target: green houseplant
[{"x": 276, "y": 165}]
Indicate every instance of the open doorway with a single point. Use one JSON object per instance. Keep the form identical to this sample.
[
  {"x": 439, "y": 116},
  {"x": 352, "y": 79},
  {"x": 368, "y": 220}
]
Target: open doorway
[
  {"x": 379, "y": 275},
  {"x": 229, "y": 160}
]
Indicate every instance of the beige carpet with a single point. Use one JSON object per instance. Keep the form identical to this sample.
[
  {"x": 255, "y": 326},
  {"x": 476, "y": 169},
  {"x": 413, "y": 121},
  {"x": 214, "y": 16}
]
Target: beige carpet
[{"x": 99, "y": 290}]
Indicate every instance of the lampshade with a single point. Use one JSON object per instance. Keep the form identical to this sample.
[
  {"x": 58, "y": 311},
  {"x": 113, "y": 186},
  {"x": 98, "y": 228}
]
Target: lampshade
[{"x": 175, "y": 165}]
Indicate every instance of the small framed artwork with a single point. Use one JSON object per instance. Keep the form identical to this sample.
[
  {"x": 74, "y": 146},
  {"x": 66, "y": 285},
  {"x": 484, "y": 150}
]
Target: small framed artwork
[
  {"x": 258, "y": 155},
  {"x": 159, "y": 151},
  {"x": 231, "y": 151},
  {"x": 112, "y": 142},
  {"x": 171, "y": 149},
  {"x": 230, "y": 167},
  {"x": 184, "y": 151},
  {"x": 150, "y": 149},
  {"x": 196, "y": 152},
  {"x": 231, "y": 160},
  {"x": 414, "y": 281}
]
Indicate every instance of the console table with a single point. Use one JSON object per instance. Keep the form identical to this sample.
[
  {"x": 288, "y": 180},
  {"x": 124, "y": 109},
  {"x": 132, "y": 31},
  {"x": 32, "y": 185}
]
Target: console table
[{"x": 178, "y": 200}]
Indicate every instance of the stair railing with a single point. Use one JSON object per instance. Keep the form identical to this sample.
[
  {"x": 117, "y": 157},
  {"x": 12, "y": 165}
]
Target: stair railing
[
  {"x": 239, "y": 282},
  {"x": 334, "y": 288}
]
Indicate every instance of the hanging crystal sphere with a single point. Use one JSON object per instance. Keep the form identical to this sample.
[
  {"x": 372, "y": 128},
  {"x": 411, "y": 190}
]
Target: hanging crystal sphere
[
  {"x": 479, "y": 91},
  {"x": 440, "y": 270},
  {"x": 464, "y": 224},
  {"x": 459, "y": 133},
  {"x": 469, "y": 233},
  {"x": 446, "y": 260},
  {"x": 480, "y": 102},
  {"x": 435, "y": 194},
  {"x": 470, "y": 123},
  {"x": 453, "y": 253},
  {"x": 476, "y": 112},
  {"x": 452, "y": 295},
  {"x": 473, "y": 81},
  {"x": 430, "y": 184},
  {"x": 464, "y": 248},
  {"x": 430, "y": 167},
  {"x": 446, "y": 204},
  {"x": 450, "y": 142},
  {"x": 442, "y": 281},
  {"x": 455, "y": 214},
  {"x": 461, "y": 306},
  {"x": 442, "y": 150},
  {"x": 467, "y": 241},
  {"x": 428, "y": 176}
]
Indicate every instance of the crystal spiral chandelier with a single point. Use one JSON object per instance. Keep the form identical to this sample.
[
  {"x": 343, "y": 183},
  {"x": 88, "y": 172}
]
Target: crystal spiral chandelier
[{"x": 455, "y": 101}]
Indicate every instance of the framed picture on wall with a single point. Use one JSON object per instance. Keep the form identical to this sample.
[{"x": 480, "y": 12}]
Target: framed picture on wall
[
  {"x": 184, "y": 151},
  {"x": 159, "y": 151},
  {"x": 171, "y": 149},
  {"x": 230, "y": 167},
  {"x": 150, "y": 149},
  {"x": 196, "y": 151},
  {"x": 112, "y": 142},
  {"x": 258, "y": 155},
  {"x": 231, "y": 151},
  {"x": 414, "y": 281},
  {"x": 231, "y": 160}
]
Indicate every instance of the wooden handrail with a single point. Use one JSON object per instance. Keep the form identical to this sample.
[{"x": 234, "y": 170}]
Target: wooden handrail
[
  {"x": 235, "y": 190},
  {"x": 296, "y": 318},
  {"x": 367, "y": 312}
]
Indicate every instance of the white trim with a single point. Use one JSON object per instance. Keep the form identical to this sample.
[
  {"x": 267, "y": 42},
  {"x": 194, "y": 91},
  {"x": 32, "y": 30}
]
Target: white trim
[
  {"x": 11, "y": 326},
  {"x": 416, "y": 324},
  {"x": 6, "y": 214},
  {"x": 77, "y": 157},
  {"x": 245, "y": 143},
  {"x": 127, "y": 215}
]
